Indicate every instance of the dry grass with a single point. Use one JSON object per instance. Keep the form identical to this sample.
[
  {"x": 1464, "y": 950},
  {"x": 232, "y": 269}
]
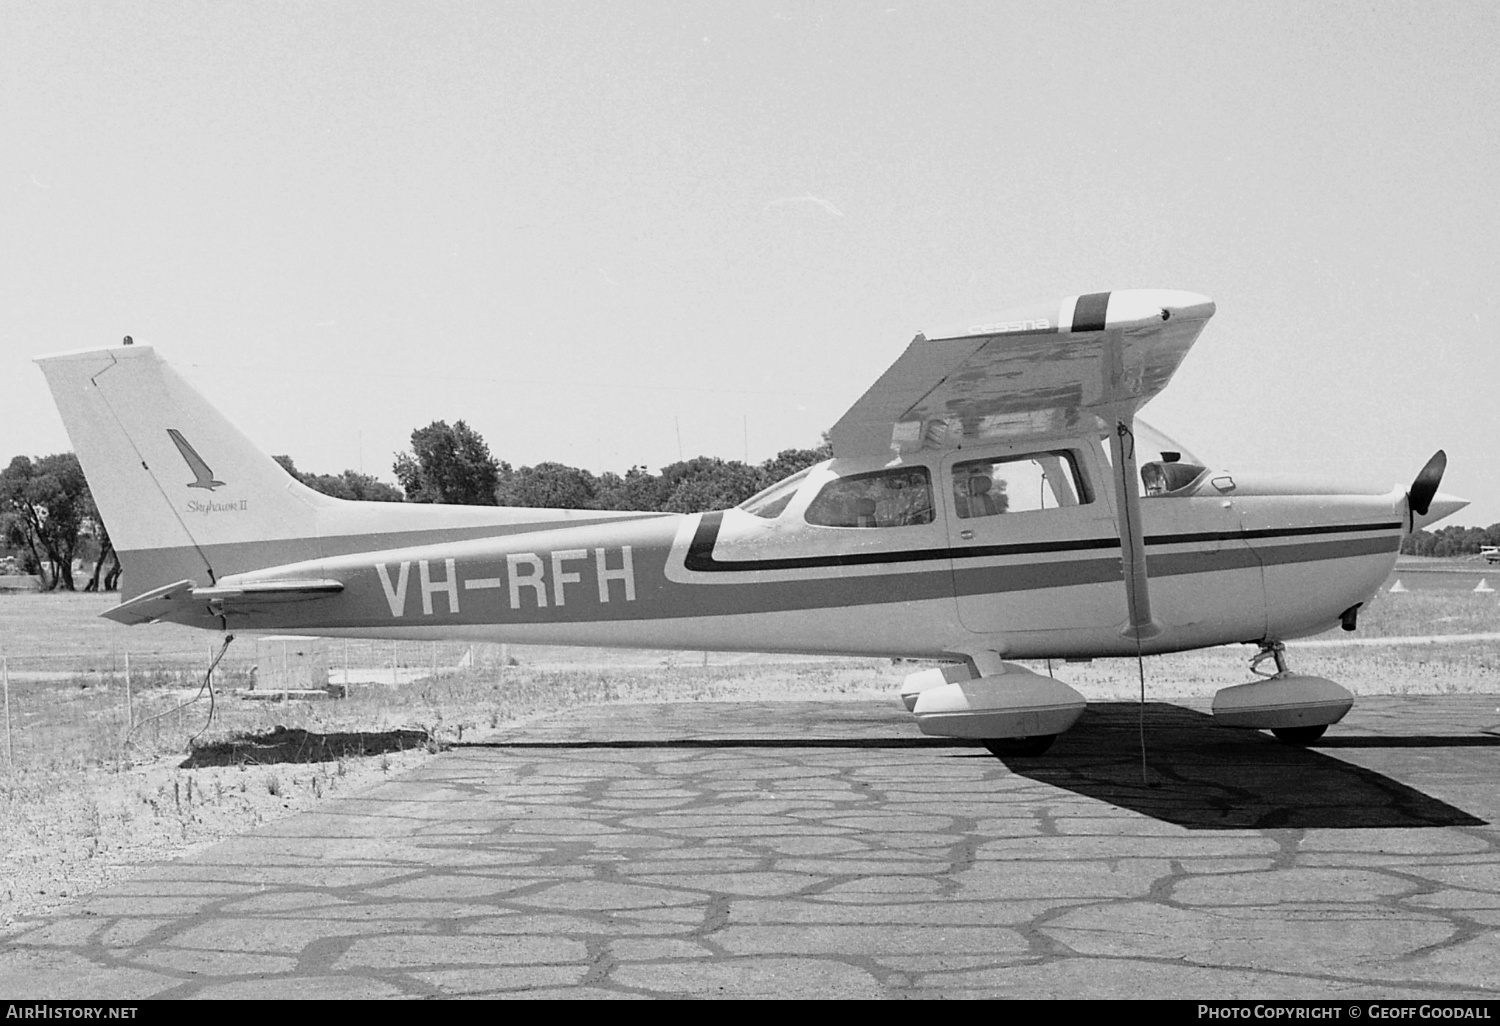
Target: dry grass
[{"x": 1428, "y": 612}]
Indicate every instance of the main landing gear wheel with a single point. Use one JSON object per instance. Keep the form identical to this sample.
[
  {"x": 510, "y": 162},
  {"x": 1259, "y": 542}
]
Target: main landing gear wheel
[
  {"x": 1022, "y": 746},
  {"x": 1298, "y": 735}
]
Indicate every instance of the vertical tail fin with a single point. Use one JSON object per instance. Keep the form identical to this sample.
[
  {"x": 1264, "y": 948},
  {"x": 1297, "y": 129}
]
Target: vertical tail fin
[{"x": 174, "y": 481}]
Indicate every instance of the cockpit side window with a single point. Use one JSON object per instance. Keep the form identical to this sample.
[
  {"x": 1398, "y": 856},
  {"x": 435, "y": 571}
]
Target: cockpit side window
[
  {"x": 885, "y": 498},
  {"x": 1018, "y": 484},
  {"x": 770, "y": 502}
]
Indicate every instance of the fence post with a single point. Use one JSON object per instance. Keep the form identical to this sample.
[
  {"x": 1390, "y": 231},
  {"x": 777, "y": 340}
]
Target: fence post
[
  {"x": 10, "y": 759},
  {"x": 129, "y": 708}
]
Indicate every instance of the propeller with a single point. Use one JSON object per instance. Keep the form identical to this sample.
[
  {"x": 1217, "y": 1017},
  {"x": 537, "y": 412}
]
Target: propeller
[{"x": 1419, "y": 495}]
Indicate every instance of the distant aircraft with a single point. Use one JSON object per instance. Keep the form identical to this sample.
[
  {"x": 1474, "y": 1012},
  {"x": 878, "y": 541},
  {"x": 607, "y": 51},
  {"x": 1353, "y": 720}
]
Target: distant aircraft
[
  {"x": 1491, "y": 553},
  {"x": 991, "y": 497}
]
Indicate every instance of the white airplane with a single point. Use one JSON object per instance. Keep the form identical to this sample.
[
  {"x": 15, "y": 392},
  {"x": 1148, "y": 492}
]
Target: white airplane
[{"x": 987, "y": 501}]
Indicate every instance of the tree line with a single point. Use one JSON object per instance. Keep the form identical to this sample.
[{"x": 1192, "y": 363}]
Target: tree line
[
  {"x": 49, "y": 521},
  {"x": 453, "y": 464},
  {"x": 1450, "y": 541}
]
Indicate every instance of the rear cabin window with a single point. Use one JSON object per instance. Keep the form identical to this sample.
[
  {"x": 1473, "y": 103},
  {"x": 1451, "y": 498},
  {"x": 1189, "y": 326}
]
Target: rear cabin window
[
  {"x": 1017, "y": 484},
  {"x": 886, "y": 498}
]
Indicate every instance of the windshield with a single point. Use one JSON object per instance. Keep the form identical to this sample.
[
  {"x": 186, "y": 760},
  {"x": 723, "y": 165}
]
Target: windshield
[
  {"x": 1166, "y": 467},
  {"x": 1154, "y": 445}
]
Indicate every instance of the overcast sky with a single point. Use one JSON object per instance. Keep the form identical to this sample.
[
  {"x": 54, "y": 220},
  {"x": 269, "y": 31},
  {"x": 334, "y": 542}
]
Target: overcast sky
[{"x": 608, "y": 234}]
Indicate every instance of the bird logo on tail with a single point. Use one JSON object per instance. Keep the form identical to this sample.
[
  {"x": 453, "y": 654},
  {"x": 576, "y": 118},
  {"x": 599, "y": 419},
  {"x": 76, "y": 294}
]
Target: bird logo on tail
[{"x": 201, "y": 470}]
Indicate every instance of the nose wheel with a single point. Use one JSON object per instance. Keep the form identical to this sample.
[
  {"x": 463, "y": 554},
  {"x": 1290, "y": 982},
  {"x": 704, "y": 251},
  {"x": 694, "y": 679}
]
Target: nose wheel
[
  {"x": 1299, "y": 735},
  {"x": 1294, "y": 707}
]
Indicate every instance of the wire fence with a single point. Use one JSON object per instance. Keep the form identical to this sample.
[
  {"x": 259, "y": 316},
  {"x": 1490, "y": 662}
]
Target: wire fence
[{"x": 264, "y": 661}]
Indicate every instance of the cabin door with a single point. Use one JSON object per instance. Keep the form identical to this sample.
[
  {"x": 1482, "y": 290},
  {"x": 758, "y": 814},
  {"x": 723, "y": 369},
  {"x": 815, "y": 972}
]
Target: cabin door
[{"x": 1034, "y": 543}]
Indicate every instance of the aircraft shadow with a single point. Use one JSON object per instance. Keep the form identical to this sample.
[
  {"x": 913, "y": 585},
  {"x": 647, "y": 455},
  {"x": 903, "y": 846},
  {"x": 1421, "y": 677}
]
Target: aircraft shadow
[
  {"x": 1206, "y": 777},
  {"x": 1202, "y": 776},
  {"x": 284, "y": 745}
]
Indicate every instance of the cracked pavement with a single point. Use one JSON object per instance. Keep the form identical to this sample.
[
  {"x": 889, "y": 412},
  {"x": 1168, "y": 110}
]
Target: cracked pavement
[{"x": 826, "y": 849}]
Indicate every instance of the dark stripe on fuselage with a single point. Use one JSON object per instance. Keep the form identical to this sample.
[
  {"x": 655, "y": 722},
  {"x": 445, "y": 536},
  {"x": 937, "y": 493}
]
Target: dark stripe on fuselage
[
  {"x": 1267, "y": 532},
  {"x": 1089, "y": 312},
  {"x": 981, "y": 580},
  {"x": 700, "y": 555}
]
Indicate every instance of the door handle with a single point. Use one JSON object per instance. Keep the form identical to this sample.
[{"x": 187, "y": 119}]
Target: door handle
[{"x": 966, "y": 535}]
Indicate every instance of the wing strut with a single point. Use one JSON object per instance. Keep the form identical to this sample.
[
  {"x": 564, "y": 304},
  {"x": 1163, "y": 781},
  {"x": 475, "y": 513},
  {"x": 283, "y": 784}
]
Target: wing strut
[{"x": 1140, "y": 625}]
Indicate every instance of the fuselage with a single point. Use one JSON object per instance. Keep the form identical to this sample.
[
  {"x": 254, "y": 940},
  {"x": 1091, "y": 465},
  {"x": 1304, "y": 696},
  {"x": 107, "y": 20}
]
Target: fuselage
[{"x": 1011, "y": 549}]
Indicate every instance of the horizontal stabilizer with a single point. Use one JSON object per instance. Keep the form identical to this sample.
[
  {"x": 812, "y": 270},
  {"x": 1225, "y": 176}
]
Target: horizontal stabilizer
[
  {"x": 183, "y": 602},
  {"x": 154, "y": 605}
]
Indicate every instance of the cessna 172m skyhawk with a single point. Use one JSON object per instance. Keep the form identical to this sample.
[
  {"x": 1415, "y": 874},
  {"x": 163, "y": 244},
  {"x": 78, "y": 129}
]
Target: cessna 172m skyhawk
[{"x": 985, "y": 502}]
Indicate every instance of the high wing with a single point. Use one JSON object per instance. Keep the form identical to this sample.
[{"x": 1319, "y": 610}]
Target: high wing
[{"x": 1030, "y": 372}]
